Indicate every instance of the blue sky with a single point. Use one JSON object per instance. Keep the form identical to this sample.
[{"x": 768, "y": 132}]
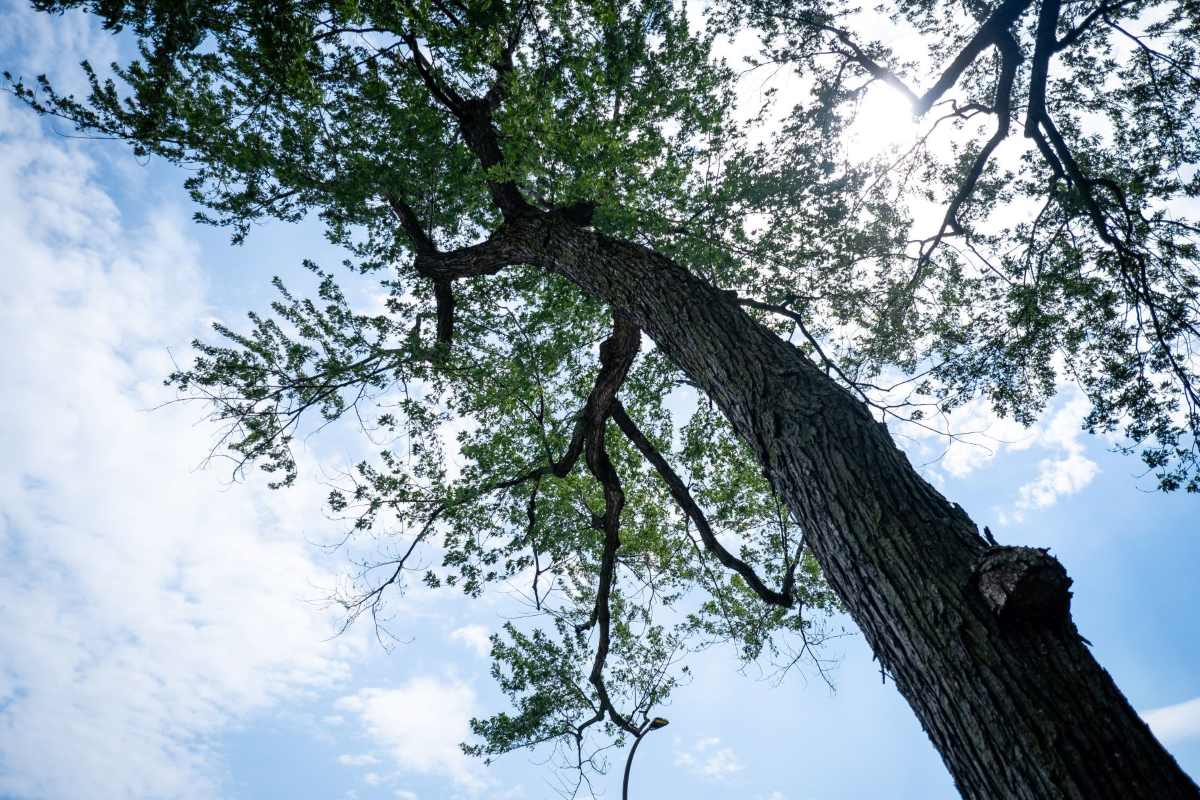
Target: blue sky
[{"x": 159, "y": 637}]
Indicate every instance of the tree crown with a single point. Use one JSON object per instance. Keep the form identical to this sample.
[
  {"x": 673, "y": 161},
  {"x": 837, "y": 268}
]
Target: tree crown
[{"x": 633, "y": 521}]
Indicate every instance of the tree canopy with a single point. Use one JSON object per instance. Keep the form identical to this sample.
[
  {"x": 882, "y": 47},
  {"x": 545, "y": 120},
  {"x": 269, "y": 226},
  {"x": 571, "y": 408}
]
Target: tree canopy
[{"x": 1035, "y": 233}]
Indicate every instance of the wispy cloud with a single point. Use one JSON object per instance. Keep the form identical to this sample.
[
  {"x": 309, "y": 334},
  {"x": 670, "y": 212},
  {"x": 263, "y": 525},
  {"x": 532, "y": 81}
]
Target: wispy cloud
[
  {"x": 1175, "y": 723},
  {"x": 708, "y": 760}
]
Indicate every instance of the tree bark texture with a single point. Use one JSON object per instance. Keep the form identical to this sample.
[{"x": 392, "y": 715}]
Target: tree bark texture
[{"x": 979, "y": 640}]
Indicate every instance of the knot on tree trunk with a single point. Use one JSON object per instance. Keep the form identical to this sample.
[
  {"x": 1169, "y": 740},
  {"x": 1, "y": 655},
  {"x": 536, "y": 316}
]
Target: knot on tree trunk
[{"x": 1023, "y": 584}]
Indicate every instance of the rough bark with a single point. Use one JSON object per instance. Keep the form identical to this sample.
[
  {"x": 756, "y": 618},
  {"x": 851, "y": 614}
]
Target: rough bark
[{"x": 978, "y": 640}]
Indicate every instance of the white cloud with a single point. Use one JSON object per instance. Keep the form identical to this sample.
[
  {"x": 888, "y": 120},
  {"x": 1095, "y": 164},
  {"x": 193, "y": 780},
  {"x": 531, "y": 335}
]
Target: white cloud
[
  {"x": 1063, "y": 475},
  {"x": 475, "y": 637},
  {"x": 404, "y": 794},
  {"x": 360, "y": 760},
  {"x": 336, "y": 719},
  {"x": 144, "y": 611},
  {"x": 420, "y": 725},
  {"x": 1175, "y": 723},
  {"x": 982, "y": 435},
  {"x": 708, "y": 760},
  {"x": 979, "y": 435}
]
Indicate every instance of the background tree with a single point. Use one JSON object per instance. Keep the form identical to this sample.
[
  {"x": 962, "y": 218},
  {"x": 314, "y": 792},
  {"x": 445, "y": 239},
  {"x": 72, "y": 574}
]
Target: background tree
[{"x": 537, "y": 178}]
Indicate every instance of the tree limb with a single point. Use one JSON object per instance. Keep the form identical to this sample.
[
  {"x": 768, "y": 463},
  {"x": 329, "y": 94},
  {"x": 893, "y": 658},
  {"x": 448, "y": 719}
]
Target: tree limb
[
  {"x": 989, "y": 34},
  {"x": 689, "y": 506}
]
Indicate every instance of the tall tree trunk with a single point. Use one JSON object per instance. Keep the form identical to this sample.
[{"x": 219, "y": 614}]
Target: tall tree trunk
[{"x": 979, "y": 640}]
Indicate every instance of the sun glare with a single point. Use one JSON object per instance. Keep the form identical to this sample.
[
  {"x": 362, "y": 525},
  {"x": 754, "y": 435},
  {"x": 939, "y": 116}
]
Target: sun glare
[{"x": 884, "y": 121}]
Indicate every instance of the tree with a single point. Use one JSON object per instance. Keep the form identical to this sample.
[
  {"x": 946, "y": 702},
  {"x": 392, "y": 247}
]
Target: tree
[{"x": 535, "y": 177}]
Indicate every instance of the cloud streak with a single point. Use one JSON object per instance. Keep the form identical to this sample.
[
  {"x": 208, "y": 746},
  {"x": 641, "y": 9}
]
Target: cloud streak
[{"x": 1177, "y": 723}]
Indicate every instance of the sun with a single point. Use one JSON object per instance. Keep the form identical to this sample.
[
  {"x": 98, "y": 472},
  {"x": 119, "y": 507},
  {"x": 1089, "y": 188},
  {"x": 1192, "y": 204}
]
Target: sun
[{"x": 884, "y": 121}]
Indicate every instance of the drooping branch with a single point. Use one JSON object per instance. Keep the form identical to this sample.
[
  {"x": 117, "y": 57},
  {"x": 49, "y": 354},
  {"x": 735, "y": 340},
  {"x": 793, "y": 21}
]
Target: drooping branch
[
  {"x": 353, "y": 606},
  {"x": 616, "y": 357},
  {"x": 990, "y": 33},
  {"x": 995, "y": 31},
  {"x": 617, "y": 354},
  {"x": 1117, "y": 233},
  {"x": 1102, "y": 10},
  {"x": 1058, "y": 154},
  {"x": 474, "y": 116},
  {"x": 1044, "y": 47},
  {"x": 687, "y": 503},
  {"x": 443, "y": 294},
  {"x": 530, "y": 532},
  {"x": 603, "y": 470}
]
